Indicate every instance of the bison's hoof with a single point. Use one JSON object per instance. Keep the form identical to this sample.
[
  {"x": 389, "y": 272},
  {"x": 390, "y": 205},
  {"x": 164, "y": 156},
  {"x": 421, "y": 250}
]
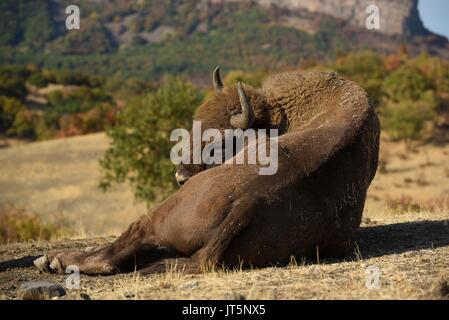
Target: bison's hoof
[
  {"x": 108, "y": 268},
  {"x": 56, "y": 266},
  {"x": 43, "y": 264}
]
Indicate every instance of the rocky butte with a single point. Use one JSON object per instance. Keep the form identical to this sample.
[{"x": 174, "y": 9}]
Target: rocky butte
[
  {"x": 400, "y": 22},
  {"x": 398, "y": 17}
]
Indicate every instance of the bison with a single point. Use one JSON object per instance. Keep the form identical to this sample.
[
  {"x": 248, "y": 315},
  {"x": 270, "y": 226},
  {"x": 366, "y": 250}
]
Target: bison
[{"x": 230, "y": 215}]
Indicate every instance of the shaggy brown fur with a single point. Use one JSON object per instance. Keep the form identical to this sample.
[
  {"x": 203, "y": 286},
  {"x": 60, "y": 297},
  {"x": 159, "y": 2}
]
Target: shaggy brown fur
[{"x": 231, "y": 215}]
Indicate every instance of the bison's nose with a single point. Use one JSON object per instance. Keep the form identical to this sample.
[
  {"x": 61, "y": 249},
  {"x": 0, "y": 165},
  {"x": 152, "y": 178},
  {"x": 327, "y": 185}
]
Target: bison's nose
[{"x": 181, "y": 177}]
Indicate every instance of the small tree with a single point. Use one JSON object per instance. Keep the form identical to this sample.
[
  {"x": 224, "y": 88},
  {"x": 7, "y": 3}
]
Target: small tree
[
  {"x": 24, "y": 124},
  {"x": 406, "y": 119},
  {"x": 9, "y": 108},
  {"x": 140, "y": 148},
  {"x": 406, "y": 83},
  {"x": 38, "y": 80}
]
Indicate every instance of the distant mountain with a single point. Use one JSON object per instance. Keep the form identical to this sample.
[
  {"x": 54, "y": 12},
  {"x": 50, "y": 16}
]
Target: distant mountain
[
  {"x": 399, "y": 17},
  {"x": 149, "y": 38}
]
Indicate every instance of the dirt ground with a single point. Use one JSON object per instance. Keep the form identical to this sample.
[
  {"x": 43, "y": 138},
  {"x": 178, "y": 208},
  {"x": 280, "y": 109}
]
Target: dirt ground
[
  {"x": 407, "y": 247},
  {"x": 409, "y": 256}
]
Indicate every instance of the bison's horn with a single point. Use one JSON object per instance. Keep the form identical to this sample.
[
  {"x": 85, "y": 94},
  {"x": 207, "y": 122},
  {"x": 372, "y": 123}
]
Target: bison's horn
[
  {"x": 218, "y": 84},
  {"x": 246, "y": 119}
]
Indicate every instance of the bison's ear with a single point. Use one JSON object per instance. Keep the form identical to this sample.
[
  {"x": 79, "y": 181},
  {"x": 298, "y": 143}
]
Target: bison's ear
[
  {"x": 218, "y": 84},
  {"x": 246, "y": 119}
]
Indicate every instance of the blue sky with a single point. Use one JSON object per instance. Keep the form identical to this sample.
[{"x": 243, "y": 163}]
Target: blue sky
[{"x": 435, "y": 14}]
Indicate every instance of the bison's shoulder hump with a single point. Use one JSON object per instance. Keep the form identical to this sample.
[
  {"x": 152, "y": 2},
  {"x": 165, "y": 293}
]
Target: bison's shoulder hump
[
  {"x": 325, "y": 112},
  {"x": 305, "y": 94}
]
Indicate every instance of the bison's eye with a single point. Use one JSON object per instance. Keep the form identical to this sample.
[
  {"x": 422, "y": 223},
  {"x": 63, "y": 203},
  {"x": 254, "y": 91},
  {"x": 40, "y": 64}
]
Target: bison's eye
[{"x": 182, "y": 175}]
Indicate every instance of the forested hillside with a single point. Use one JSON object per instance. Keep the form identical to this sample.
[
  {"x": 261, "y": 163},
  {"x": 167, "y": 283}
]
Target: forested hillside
[{"x": 147, "y": 39}]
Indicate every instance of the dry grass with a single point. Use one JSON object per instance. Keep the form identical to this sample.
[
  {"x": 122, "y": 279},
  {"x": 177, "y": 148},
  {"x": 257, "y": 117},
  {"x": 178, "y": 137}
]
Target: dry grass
[
  {"x": 412, "y": 177},
  {"x": 438, "y": 204},
  {"x": 60, "y": 177},
  {"x": 408, "y": 270},
  {"x": 18, "y": 225},
  {"x": 406, "y": 273},
  {"x": 405, "y": 204}
]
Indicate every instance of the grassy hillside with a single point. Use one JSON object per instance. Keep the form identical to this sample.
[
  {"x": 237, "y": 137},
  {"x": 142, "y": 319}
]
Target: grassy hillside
[
  {"x": 237, "y": 38},
  {"x": 59, "y": 181}
]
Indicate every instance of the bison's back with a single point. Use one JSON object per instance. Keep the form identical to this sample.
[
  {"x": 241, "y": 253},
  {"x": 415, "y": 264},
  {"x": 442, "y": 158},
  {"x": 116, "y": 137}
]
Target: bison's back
[{"x": 316, "y": 200}]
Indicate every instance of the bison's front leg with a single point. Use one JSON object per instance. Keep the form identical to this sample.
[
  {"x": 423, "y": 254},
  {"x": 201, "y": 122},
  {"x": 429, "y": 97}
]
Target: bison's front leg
[
  {"x": 120, "y": 256},
  {"x": 96, "y": 261}
]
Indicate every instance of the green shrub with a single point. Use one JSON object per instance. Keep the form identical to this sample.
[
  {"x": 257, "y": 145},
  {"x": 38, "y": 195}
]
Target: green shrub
[
  {"x": 37, "y": 80},
  {"x": 12, "y": 84},
  {"x": 24, "y": 124},
  {"x": 124, "y": 88},
  {"x": 71, "y": 77},
  {"x": 406, "y": 119},
  {"x": 252, "y": 78},
  {"x": 38, "y": 26},
  {"x": 95, "y": 38},
  {"x": 79, "y": 100},
  {"x": 18, "y": 225},
  {"x": 94, "y": 120},
  {"x": 9, "y": 107},
  {"x": 9, "y": 23},
  {"x": 435, "y": 70},
  {"x": 140, "y": 149},
  {"x": 43, "y": 131},
  {"x": 406, "y": 83},
  {"x": 28, "y": 22}
]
